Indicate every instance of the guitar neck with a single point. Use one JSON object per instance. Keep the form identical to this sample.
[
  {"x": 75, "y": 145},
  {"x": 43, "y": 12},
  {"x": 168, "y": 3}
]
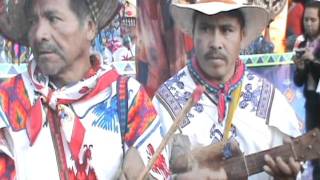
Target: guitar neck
[
  {"x": 302, "y": 148},
  {"x": 242, "y": 167}
]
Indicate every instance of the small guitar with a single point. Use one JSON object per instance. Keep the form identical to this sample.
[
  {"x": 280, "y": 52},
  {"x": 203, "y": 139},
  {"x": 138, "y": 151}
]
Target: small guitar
[{"x": 239, "y": 166}]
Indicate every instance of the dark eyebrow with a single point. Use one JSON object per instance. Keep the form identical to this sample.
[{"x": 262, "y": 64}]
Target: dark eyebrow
[
  {"x": 227, "y": 25},
  {"x": 46, "y": 13},
  {"x": 51, "y": 13},
  {"x": 213, "y": 25}
]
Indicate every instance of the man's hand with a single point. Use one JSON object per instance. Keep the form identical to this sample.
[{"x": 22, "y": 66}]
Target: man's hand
[
  {"x": 280, "y": 169},
  {"x": 203, "y": 173},
  {"x": 301, "y": 58},
  {"x": 300, "y": 63}
]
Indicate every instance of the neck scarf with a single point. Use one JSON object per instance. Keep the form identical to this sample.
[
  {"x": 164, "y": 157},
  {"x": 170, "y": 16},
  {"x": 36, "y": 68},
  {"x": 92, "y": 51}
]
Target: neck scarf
[
  {"x": 223, "y": 90},
  {"x": 97, "y": 79}
]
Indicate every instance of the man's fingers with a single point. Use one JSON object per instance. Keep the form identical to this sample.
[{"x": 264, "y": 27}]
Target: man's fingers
[
  {"x": 284, "y": 167},
  {"x": 294, "y": 165},
  {"x": 271, "y": 164},
  {"x": 268, "y": 170}
]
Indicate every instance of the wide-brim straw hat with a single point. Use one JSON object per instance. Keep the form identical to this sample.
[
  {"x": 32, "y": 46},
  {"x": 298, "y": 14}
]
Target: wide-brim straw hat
[
  {"x": 256, "y": 18},
  {"x": 14, "y": 23}
]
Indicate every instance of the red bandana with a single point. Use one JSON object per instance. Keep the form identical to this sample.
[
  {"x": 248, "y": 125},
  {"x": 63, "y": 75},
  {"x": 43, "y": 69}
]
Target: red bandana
[{"x": 222, "y": 90}]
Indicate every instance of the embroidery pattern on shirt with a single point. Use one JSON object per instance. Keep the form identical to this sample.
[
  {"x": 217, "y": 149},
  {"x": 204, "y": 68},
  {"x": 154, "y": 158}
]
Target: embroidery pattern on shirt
[
  {"x": 15, "y": 102},
  {"x": 259, "y": 98},
  {"x": 266, "y": 99},
  {"x": 160, "y": 166},
  {"x": 216, "y": 133},
  {"x": 171, "y": 104},
  {"x": 106, "y": 115},
  {"x": 83, "y": 170}
]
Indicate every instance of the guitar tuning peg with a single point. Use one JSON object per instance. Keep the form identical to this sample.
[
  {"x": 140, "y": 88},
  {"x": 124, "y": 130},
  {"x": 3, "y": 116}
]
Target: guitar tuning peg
[
  {"x": 314, "y": 134},
  {"x": 310, "y": 147}
]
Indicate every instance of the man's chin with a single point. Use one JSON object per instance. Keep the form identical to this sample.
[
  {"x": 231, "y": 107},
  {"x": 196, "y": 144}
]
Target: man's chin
[{"x": 48, "y": 69}]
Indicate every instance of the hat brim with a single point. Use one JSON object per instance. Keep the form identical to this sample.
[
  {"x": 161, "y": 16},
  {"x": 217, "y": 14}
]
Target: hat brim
[
  {"x": 256, "y": 18},
  {"x": 14, "y": 23}
]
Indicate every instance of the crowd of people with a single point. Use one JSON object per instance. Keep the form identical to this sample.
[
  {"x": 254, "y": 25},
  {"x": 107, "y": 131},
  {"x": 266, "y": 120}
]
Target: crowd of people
[{"x": 73, "y": 116}]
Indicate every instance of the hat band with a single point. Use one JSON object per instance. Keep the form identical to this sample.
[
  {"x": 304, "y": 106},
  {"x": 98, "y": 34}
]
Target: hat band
[{"x": 93, "y": 8}]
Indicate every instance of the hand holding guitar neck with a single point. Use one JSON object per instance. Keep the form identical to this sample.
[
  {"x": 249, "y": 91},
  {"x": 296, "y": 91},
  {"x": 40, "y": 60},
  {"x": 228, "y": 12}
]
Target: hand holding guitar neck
[{"x": 240, "y": 166}]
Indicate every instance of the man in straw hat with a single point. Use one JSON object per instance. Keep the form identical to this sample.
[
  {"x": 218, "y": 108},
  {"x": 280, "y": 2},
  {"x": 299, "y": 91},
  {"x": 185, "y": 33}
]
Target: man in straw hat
[
  {"x": 237, "y": 104},
  {"x": 70, "y": 116}
]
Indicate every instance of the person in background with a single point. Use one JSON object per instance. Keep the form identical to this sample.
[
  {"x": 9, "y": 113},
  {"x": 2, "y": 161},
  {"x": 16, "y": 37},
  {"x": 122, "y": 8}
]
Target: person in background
[
  {"x": 307, "y": 73},
  {"x": 294, "y": 22}
]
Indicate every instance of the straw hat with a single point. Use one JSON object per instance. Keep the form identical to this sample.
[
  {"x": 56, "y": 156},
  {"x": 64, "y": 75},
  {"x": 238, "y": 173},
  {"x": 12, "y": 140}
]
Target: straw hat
[
  {"x": 255, "y": 17},
  {"x": 14, "y": 24}
]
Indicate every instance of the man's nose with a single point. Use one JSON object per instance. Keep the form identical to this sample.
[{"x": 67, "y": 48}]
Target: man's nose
[
  {"x": 215, "y": 40},
  {"x": 41, "y": 31}
]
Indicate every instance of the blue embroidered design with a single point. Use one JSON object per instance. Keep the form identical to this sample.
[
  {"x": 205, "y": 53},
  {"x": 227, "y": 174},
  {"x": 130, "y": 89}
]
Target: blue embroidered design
[
  {"x": 176, "y": 79},
  {"x": 250, "y": 96},
  {"x": 216, "y": 133},
  {"x": 180, "y": 85},
  {"x": 106, "y": 115},
  {"x": 184, "y": 98},
  {"x": 198, "y": 107}
]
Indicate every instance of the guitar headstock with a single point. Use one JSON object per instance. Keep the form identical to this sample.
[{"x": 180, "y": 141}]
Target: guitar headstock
[{"x": 307, "y": 146}]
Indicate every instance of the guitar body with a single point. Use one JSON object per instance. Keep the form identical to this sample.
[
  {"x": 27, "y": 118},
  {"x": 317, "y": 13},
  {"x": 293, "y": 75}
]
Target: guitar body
[{"x": 213, "y": 156}]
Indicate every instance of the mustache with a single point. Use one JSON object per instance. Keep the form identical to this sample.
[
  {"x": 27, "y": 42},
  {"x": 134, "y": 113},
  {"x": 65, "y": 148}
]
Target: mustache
[
  {"x": 214, "y": 54},
  {"x": 45, "y": 48}
]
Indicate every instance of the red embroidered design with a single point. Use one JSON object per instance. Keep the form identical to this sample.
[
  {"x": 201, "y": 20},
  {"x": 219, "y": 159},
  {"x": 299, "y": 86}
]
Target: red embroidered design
[
  {"x": 7, "y": 169},
  {"x": 141, "y": 115},
  {"x": 84, "y": 170},
  {"x": 160, "y": 166},
  {"x": 14, "y": 102}
]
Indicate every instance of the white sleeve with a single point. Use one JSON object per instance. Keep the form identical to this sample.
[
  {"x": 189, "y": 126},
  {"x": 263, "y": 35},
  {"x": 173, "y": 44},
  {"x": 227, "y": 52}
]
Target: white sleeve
[{"x": 283, "y": 117}]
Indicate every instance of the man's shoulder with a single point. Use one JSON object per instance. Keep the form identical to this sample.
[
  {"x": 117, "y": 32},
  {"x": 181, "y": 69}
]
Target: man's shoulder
[
  {"x": 257, "y": 94},
  {"x": 179, "y": 79}
]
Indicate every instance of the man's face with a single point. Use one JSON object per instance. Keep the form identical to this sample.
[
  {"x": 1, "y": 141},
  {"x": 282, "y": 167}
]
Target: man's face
[
  {"x": 56, "y": 36},
  {"x": 311, "y": 21},
  {"x": 217, "y": 41}
]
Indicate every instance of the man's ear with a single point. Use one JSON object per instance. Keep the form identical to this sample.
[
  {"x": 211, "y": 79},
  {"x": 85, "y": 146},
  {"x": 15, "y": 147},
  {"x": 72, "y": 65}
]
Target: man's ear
[{"x": 91, "y": 30}]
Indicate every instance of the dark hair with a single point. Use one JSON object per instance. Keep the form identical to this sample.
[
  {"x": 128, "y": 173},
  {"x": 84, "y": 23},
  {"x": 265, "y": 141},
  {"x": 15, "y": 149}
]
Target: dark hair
[
  {"x": 79, "y": 7},
  {"x": 237, "y": 13},
  {"x": 311, "y": 4}
]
